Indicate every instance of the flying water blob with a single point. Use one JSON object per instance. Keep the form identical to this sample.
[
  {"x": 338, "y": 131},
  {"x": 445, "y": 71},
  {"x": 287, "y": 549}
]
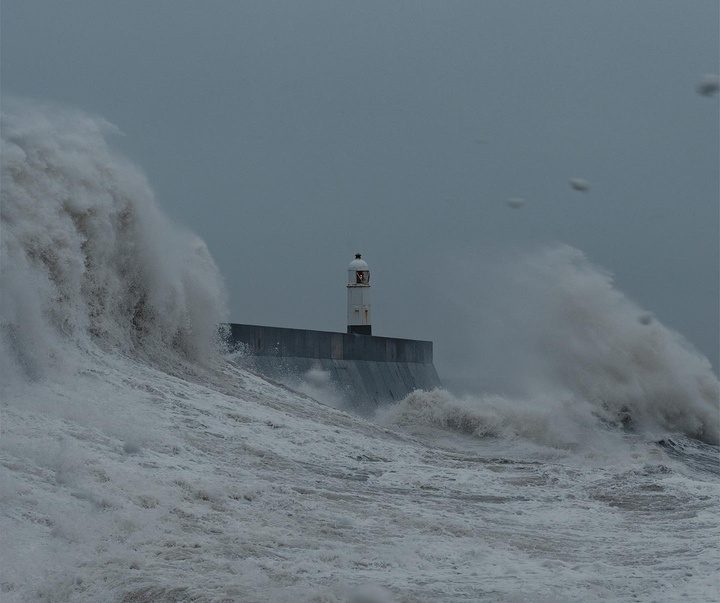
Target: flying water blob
[
  {"x": 515, "y": 203},
  {"x": 708, "y": 85},
  {"x": 579, "y": 184}
]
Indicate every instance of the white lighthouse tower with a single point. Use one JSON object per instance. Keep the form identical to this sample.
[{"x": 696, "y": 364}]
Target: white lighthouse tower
[{"x": 358, "y": 304}]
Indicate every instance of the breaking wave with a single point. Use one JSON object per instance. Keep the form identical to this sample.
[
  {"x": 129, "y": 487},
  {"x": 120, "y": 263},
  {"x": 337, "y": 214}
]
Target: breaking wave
[
  {"x": 90, "y": 262},
  {"x": 569, "y": 351},
  {"x": 88, "y": 259}
]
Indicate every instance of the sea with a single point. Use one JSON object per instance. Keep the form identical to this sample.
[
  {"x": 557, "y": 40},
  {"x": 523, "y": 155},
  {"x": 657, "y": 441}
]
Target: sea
[{"x": 141, "y": 463}]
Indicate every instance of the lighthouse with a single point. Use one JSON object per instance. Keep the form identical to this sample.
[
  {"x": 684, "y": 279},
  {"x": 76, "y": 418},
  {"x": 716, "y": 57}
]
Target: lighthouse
[
  {"x": 358, "y": 297},
  {"x": 369, "y": 370}
]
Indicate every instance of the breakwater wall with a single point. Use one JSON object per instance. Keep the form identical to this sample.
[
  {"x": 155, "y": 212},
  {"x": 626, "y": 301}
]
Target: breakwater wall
[{"x": 364, "y": 370}]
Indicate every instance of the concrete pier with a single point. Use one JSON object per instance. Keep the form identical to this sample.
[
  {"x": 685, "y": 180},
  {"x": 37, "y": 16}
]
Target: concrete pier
[{"x": 365, "y": 370}]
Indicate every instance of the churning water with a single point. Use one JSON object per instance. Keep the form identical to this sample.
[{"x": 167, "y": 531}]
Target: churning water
[{"x": 139, "y": 464}]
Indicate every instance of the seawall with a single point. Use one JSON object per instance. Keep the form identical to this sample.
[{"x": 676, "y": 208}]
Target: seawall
[{"x": 365, "y": 371}]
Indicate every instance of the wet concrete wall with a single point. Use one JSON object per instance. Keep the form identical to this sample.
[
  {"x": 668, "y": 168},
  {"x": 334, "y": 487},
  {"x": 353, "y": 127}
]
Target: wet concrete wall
[{"x": 366, "y": 371}]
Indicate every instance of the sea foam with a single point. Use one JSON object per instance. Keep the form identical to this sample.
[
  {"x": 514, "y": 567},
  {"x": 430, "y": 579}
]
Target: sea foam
[
  {"x": 556, "y": 348},
  {"x": 88, "y": 258}
]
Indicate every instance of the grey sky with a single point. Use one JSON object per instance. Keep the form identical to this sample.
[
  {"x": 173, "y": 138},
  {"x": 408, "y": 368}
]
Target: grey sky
[{"x": 290, "y": 135}]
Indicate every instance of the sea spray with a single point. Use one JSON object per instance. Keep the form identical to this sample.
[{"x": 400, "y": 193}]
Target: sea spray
[
  {"x": 152, "y": 486},
  {"x": 547, "y": 331},
  {"x": 551, "y": 422},
  {"x": 88, "y": 258}
]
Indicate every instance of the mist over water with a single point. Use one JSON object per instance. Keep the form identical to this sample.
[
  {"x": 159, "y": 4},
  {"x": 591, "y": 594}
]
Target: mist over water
[
  {"x": 544, "y": 339},
  {"x": 88, "y": 259},
  {"x": 545, "y": 345}
]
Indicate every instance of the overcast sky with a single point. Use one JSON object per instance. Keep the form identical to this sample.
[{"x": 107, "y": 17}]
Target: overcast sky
[{"x": 290, "y": 135}]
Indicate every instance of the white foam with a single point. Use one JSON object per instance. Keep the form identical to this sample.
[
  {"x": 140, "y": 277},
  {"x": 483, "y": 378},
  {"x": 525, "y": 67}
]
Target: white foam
[
  {"x": 123, "y": 479},
  {"x": 88, "y": 257},
  {"x": 552, "y": 326}
]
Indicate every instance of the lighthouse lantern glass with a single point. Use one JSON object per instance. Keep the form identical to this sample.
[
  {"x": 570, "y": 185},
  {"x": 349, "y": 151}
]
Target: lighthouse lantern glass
[{"x": 362, "y": 277}]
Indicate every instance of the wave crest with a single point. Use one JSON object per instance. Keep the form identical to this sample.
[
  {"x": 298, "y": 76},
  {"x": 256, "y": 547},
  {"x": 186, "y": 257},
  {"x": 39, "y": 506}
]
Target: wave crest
[
  {"x": 560, "y": 343},
  {"x": 87, "y": 256}
]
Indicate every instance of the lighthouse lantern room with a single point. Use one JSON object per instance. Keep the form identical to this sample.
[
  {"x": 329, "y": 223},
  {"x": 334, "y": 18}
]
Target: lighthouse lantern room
[{"x": 358, "y": 305}]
